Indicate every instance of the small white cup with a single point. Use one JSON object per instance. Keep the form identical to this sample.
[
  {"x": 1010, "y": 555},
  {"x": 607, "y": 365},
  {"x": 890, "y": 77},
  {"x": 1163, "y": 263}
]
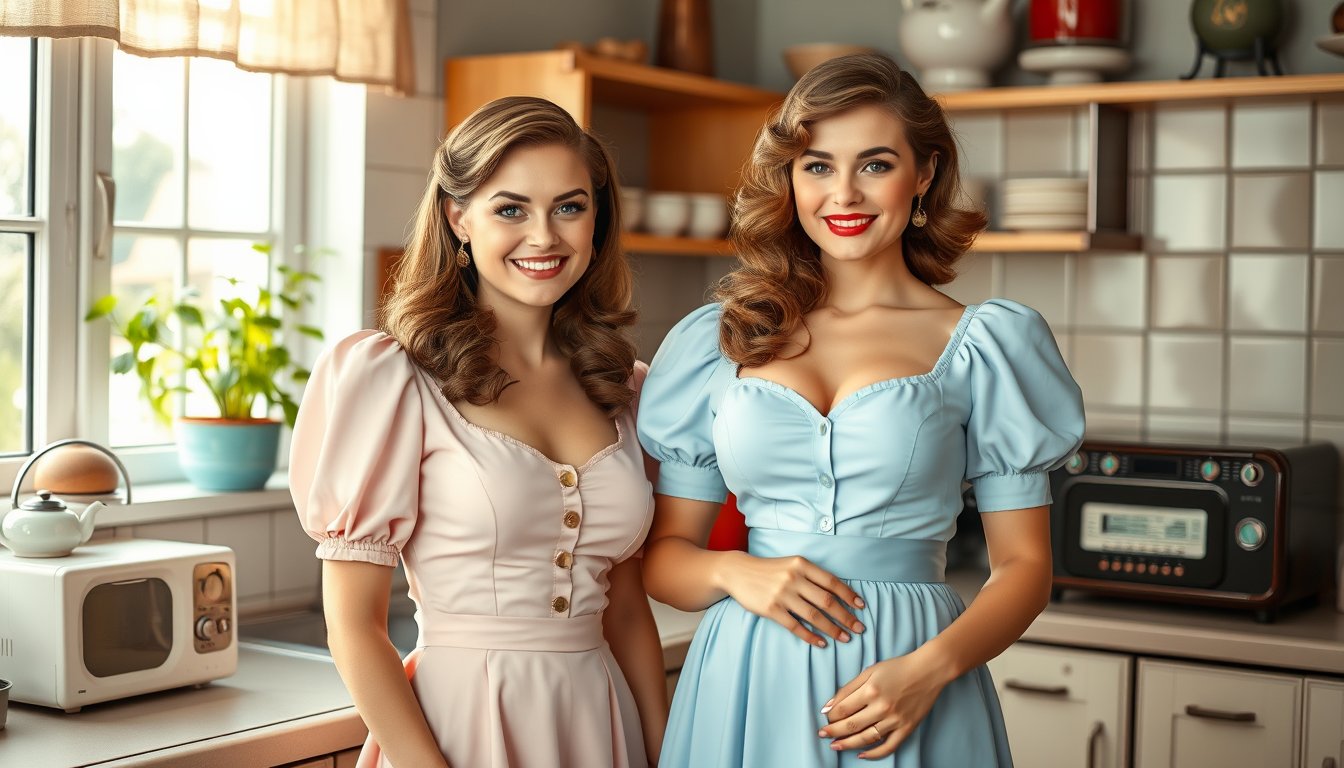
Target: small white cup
[
  {"x": 666, "y": 213},
  {"x": 709, "y": 215},
  {"x": 632, "y": 208},
  {"x": 4, "y": 701}
]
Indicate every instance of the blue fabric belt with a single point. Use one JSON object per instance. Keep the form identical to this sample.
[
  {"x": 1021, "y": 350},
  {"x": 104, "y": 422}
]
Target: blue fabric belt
[{"x": 856, "y": 557}]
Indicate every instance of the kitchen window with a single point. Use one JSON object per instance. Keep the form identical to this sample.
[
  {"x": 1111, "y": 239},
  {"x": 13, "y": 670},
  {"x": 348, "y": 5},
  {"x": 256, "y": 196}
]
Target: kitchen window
[{"x": 203, "y": 161}]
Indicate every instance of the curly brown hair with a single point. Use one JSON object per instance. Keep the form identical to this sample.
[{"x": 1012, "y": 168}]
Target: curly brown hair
[
  {"x": 780, "y": 278},
  {"x": 432, "y": 309}
]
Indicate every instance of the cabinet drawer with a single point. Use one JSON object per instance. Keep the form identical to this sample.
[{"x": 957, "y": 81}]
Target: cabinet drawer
[
  {"x": 1323, "y": 738},
  {"x": 1064, "y": 708},
  {"x": 1191, "y": 716}
]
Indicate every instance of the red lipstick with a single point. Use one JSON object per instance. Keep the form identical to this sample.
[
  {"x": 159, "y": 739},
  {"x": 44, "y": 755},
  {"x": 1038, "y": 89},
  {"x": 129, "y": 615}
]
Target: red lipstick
[{"x": 849, "y": 224}]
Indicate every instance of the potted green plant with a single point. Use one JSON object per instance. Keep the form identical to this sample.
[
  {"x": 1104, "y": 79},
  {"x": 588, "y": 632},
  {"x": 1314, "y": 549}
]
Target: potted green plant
[{"x": 236, "y": 349}]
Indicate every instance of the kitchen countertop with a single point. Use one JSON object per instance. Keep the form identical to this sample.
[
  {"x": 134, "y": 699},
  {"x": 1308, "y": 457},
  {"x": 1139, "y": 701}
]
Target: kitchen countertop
[{"x": 287, "y": 704}]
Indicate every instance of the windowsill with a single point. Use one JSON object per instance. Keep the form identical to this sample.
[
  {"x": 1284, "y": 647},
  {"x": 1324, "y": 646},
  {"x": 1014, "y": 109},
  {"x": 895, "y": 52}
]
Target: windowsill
[{"x": 165, "y": 502}]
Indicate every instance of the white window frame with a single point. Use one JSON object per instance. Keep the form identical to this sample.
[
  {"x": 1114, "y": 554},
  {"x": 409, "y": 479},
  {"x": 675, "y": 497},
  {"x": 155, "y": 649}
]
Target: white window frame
[{"x": 73, "y": 144}]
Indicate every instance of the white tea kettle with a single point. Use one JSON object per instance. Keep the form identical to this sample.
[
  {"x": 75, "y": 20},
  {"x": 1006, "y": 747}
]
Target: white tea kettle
[{"x": 43, "y": 526}]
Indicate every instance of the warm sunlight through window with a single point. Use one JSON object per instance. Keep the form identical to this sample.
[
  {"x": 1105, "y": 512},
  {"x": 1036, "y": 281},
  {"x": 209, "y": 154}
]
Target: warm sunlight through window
[{"x": 16, "y": 244}]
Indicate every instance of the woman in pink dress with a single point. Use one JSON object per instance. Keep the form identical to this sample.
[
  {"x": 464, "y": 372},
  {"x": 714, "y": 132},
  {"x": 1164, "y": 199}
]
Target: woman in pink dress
[{"x": 487, "y": 439}]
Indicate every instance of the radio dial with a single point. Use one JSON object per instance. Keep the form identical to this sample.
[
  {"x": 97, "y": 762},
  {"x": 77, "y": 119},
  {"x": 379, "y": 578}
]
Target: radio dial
[
  {"x": 1110, "y": 464},
  {"x": 1209, "y": 470},
  {"x": 205, "y": 628},
  {"x": 1250, "y": 534},
  {"x": 1077, "y": 463}
]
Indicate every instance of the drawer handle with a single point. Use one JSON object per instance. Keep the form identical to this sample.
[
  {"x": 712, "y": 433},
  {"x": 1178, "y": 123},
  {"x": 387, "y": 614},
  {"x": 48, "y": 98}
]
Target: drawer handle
[
  {"x": 1044, "y": 690},
  {"x": 1194, "y": 710},
  {"x": 1092, "y": 741}
]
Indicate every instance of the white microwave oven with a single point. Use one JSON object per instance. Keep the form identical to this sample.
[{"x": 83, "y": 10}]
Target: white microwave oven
[{"x": 116, "y": 618}]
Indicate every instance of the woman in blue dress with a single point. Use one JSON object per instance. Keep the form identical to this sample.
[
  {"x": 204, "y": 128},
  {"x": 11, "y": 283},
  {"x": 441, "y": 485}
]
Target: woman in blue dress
[{"x": 845, "y": 401}]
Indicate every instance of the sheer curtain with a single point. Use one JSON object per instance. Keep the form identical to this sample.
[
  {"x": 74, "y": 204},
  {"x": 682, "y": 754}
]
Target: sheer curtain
[{"x": 359, "y": 41}]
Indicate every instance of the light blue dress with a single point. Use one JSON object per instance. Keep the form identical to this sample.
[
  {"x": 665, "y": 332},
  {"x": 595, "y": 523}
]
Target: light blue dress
[{"x": 869, "y": 492}]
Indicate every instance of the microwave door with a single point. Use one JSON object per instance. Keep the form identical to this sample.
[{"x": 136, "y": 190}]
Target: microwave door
[{"x": 127, "y": 626}]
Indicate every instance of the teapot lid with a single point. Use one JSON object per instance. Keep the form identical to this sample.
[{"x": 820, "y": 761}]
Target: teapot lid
[{"x": 44, "y": 502}]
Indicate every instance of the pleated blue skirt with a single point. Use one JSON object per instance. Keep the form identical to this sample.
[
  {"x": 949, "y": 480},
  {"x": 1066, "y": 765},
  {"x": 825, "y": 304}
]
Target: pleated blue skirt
[{"x": 750, "y": 692}]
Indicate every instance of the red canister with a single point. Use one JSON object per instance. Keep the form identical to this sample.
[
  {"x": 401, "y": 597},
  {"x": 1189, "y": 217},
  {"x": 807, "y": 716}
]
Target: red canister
[{"x": 1076, "y": 22}]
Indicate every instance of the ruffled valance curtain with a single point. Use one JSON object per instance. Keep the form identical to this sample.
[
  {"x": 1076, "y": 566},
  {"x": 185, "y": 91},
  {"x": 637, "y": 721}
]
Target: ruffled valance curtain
[{"x": 359, "y": 41}]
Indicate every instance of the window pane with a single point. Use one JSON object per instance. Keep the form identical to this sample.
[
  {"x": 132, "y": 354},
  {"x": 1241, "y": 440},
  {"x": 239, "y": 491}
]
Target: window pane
[
  {"x": 229, "y": 182},
  {"x": 210, "y": 265},
  {"x": 14, "y": 363},
  {"x": 147, "y": 139},
  {"x": 143, "y": 266},
  {"x": 16, "y": 114}
]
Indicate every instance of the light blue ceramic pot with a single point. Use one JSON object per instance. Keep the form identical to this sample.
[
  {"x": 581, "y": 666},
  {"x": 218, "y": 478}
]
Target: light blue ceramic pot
[{"x": 227, "y": 455}]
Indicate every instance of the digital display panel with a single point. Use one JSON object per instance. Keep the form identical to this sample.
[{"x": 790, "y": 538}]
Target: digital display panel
[
  {"x": 1148, "y": 465},
  {"x": 1139, "y": 530}
]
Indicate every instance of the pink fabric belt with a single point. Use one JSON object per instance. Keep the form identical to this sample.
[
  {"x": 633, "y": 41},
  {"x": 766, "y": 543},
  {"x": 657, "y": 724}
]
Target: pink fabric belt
[{"x": 511, "y": 633}]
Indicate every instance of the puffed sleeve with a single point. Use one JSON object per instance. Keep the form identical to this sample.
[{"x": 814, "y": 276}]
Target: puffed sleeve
[
  {"x": 354, "y": 466},
  {"x": 676, "y": 408},
  {"x": 1026, "y": 414}
]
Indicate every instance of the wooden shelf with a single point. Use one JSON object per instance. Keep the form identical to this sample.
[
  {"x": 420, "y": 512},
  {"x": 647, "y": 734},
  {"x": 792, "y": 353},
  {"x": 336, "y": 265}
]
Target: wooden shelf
[
  {"x": 642, "y": 242},
  {"x": 658, "y": 88},
  {"x": 1055, "y": 242},
  {"x": 1138, "y": 93}
]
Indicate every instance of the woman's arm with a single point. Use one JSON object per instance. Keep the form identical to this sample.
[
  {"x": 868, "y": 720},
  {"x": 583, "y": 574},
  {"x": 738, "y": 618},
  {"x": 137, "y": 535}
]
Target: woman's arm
[
  {"x": 891, "y": 697},
  {"x": 355, "y": 598},
  {"x": 629, "y": 629},
  {"x": 679, "y": 571}
]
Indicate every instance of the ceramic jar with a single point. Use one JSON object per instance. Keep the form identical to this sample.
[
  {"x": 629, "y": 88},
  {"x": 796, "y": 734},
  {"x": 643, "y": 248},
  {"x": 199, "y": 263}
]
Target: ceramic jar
[
  {"x": 956, "y": 44},
  {"x": 1234, "y": 26}
]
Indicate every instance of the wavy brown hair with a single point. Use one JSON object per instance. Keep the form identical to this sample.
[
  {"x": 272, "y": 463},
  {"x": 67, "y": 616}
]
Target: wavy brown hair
[
  {"x": 432, "y": 309},
  {"x": 780, "y": 278}
]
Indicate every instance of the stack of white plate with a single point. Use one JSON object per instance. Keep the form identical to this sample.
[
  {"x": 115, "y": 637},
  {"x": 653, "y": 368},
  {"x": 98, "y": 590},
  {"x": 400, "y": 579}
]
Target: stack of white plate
[{"x": 1046, "y": 203}]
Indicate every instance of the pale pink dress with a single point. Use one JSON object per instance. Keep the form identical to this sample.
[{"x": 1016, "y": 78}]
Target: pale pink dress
[{"x": 506, "y": 553}]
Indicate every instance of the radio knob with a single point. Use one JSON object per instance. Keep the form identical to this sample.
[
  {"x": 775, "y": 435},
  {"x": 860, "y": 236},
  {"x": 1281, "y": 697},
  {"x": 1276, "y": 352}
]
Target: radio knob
[
  {"x": 1110, "y": 464},
  {"x": 223, "y": 625},
  {"x": 212, "y": 586},
  {"x": 205, "y": 628},
  {"x": 1250, "y": 534},
  {"x": 1077, "y": 463},
  {"x": 1209, "y": 470},
  {"x": 1252, "y": 474}
]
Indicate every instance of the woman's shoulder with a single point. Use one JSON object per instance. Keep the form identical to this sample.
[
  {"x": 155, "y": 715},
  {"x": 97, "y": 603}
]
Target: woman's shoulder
[
  {"x": 1004, "y": 320},
  {"x": 694, "y": 338},
  {"x": 368, "y": 353}
]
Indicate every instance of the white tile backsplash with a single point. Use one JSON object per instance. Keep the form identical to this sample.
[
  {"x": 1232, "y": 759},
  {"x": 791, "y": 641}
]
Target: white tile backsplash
[
  {"x": 1183, "y": 428},
  {"x": 1271, "y": 135},
  {"x": 1267, "y": 375},
  {"x": 1189, "y": 213},
  {"x": 1111, "y": 291},
  {"x": 295, "y": 569},
  {"x": 1040, "y": 282},
  {"x": 1104, "y": 424},
  {"x": 975, "y": 279},
  {"x": 980, "y": 144},
  {"x": 1189, "y": 137},
  {"x": 1329, "y": 217},
  {"x": 1267, "y": 293},
  {"x": 1327, "y": 378},
  {"x": 1270, "y": 210},
  {"x": 1039, "y": 143},
  {"x": 249, "y": 536},
  {"x": 1109, "y": 369},
  {"x": 1247, "y": 430},
  {"x": 1188, "y": 292},
  {"x": 1185, "y": 371},
  {"x": 176, "y": 530},
  {"x": 1327, "y": 305},
  {"x": 1330, "y": 133}
]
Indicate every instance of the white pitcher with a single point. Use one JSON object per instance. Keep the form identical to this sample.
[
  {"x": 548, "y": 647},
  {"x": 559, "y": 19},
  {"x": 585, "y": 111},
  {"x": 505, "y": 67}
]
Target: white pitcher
[{"x": 956, "y": 44}]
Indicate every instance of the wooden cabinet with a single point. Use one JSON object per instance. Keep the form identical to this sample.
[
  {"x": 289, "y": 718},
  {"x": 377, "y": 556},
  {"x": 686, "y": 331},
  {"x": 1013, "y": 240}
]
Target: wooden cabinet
[
  {"x": 1192, "y": 716},
  {"x": 1323, "y": 718},
  {"x": 1065, "y": 708},
  {"x": 673, "y": 131}
]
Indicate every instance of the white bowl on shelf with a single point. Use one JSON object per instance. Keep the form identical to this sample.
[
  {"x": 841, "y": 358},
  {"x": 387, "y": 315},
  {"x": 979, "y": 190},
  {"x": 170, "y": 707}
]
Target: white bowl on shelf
[
  {"x": 709, "y": 216},
  {"x": 632, "y": 208},
  {"x": 1332, "y": 43},
  {"x": 667, "y": 214},
  {"x": 1074, "y": 64},
  {"x": 1044, "y": 221}
]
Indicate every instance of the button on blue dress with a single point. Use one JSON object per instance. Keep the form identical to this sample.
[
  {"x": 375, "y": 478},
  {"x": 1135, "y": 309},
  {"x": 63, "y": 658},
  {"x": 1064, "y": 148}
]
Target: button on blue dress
[{"x": 870, "y": 492}]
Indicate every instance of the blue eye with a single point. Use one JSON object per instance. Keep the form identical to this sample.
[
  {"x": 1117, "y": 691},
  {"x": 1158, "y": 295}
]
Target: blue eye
[
  {"x": 816, "y": 168},
  {"x": 877, "y": 166},
  {"x": 569, "y": 209},
  {"x": 509, "y": 211}
]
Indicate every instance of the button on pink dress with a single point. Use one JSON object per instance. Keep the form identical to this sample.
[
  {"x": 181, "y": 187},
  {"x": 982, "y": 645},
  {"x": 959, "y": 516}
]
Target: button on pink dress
[{"x": 506, "y": 554}]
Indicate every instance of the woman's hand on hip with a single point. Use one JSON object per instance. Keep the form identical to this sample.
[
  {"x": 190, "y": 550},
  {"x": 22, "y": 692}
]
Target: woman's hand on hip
[
  {"x": 881, "y": 707},
  {"x": 798, "y": 595}
]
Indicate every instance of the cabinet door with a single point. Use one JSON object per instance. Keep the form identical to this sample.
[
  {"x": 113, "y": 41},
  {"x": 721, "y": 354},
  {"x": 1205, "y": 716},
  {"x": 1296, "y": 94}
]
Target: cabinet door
[
  {"x": 1323, "y": 738},
  {"x": 1064, "y": 708},
  {"x": 1192, "y": 716}
]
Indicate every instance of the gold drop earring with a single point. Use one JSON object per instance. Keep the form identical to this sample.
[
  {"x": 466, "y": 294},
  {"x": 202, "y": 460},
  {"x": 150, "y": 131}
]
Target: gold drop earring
[
  {"x": 463, "y": 258},
  {"x": 919, "y": 218}
]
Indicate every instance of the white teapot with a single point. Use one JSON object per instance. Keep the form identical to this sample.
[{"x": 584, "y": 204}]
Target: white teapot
[
  {"x": 43, "y": 526},
  {"x": 956, "y": 43}
]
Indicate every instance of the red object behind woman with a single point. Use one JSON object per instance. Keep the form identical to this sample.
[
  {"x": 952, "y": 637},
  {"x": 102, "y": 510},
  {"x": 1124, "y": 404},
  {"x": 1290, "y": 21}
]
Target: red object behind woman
[
  {"x": 1073, "y": 22},
  {"x": 730, "y": 528}
]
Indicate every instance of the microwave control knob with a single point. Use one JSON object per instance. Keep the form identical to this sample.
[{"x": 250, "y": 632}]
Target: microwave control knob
[
  {"x": 205, "y": 628},
  {"x": 223, "y": 625},
  {"x": 212, "y": 586},
  {"x": 1250, "y": 534},
  {"x": 1252, "y": 474},
  {"x": 1077, "y": 463},
  {"x": 1110, "y": 464},
  {"x": 1209, "y": 470}
]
